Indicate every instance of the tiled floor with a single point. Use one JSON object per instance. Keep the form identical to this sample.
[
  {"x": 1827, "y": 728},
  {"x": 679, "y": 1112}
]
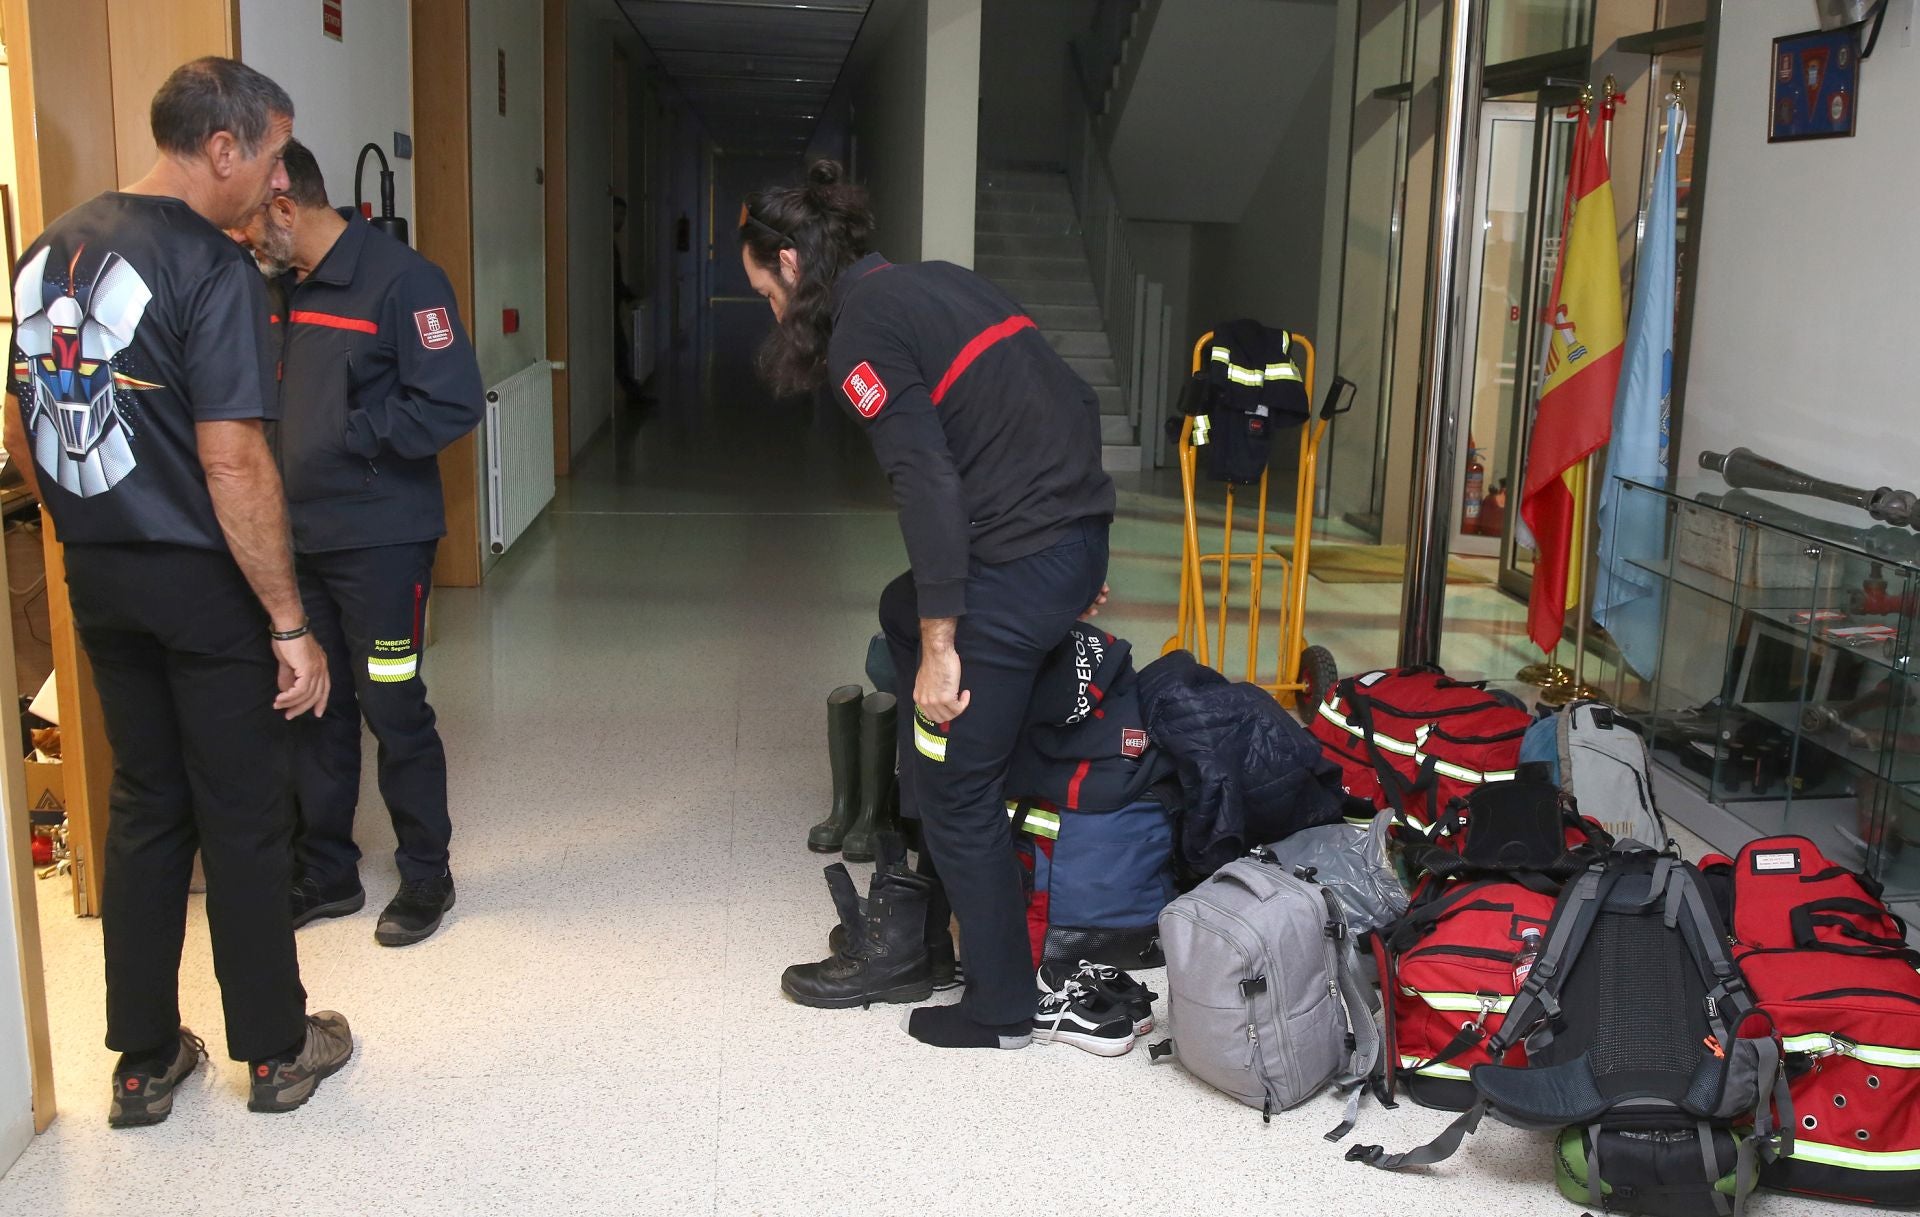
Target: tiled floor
[{"x": 632, "y": 709}]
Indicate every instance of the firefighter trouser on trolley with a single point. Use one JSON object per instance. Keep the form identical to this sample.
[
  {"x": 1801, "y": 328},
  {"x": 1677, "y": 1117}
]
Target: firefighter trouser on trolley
[
  {"x": 368, "y": 609},
  {"x": 951, "y": 775}
]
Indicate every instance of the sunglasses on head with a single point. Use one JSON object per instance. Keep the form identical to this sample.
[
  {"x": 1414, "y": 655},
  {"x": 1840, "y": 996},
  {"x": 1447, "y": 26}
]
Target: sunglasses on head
[{"x": 749, "y": 220}]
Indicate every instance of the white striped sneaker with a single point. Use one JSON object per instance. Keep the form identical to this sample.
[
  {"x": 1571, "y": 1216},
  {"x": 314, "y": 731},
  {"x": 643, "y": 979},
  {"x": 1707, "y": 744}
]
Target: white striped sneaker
[{"x": 1078, "y": 1016}]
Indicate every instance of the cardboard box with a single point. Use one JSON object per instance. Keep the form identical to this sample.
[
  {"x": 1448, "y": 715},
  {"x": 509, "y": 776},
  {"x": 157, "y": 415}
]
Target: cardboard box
[{"x": 46, "y": 788}]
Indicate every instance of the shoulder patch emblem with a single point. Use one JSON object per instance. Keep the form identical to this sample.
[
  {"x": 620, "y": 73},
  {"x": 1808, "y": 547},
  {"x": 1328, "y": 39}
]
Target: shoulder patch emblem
[
  {"x": 1133, "y": 742},
  {"x": 436, "y": 328},
  {"x": 864, "y": 389}
]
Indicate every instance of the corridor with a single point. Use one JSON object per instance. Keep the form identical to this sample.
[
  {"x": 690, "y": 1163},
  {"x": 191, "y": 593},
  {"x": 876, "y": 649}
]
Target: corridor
[{"x": 632, "y": 710}]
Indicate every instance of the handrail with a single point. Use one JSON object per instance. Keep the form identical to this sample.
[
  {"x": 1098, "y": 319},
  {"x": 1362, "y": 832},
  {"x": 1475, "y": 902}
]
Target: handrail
[{"x": 1137, "y": 324}]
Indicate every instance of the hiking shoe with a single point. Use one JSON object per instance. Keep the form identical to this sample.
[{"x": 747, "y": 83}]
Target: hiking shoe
[
  {"x": 1078, "y": 1016},
  {"x": 312, "y": 902},
  {"x": 143, "y": 1092},
  {"x": 282, "y": 1085},
  {"x": 415, "y": 911},
  {"x": 1106, "y": 981}
]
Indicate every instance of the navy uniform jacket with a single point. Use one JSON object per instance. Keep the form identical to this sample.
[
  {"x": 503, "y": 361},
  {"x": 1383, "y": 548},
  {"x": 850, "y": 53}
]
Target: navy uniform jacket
[
  {"x": 377, "y": 375},
  {"x": 990, "y": 441}
]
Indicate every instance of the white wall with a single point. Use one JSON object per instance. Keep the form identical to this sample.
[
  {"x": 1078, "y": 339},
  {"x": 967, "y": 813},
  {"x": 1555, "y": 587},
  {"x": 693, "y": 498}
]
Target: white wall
[
  {"x": 1267, "y": 265},
  {"x": 345, "y": 94},
  {"x": 952, "y": 140},
  {"x": 509, "y": 205},
  {"x": 1023, "y": 78},
  {"x": 888, "y": 75},
  {"x": 1804, "y": 319},
  {"x": 590, "y": 47},
  {"x": 16, "y": 1069}
]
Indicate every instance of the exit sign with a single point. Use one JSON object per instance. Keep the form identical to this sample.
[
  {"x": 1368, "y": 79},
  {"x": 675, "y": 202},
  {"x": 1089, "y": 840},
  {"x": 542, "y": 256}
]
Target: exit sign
[{"x": 330, "y": 19}]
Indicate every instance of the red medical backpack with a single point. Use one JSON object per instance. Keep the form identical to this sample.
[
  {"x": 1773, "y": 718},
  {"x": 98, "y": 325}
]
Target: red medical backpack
[
  {"x": 1447, "y": 972},
  {"x": 1830, "y": 964},
  {"x": 1414, "y": 739}
]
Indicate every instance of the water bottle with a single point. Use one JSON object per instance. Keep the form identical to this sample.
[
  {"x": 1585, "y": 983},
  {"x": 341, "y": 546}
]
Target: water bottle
[{"x": 1523, "y": 960}]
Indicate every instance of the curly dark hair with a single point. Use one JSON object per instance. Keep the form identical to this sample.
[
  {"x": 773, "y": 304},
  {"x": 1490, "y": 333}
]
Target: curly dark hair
[{"x": 826, "y": 222}]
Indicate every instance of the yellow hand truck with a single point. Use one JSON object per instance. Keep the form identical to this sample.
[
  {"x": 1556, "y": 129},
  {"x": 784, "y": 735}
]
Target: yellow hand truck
[{"x": 1303, "y": 673}]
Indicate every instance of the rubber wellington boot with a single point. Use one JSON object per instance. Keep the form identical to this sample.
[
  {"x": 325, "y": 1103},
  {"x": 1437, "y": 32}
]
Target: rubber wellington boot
[
  {"x": 843, "y": 753},
  {"x": 878, "y": 750},
  {"x": 885, "y": 961}
]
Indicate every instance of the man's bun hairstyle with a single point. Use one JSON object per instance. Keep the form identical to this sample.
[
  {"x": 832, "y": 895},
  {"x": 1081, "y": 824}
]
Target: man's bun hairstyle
[{"x": 826, "y": 221}]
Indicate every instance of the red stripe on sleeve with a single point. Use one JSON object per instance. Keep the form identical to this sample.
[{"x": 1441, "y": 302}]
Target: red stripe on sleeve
[
  {"x": 1073, "y": 787},
  {"x": 333, "y": 321},
  {"x": 976, "y": 348}
]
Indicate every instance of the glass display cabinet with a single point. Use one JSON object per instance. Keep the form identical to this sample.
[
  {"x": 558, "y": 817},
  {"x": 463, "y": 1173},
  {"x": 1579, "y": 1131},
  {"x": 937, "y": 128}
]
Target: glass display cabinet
[{"x": 1784, "y": 689}]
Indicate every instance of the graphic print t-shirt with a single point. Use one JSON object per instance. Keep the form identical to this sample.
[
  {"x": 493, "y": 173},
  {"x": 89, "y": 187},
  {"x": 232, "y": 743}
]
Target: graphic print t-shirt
[{"x": 135, "y": 319}]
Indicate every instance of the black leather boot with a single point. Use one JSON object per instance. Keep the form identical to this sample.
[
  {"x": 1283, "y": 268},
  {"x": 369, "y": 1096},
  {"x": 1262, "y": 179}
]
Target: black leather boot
[
  {"x": 941, "y": 962},
  {"x": 843, "y": 753},
  {"x": 878, "y": 753},
  {"x": 886, "y": 955}
]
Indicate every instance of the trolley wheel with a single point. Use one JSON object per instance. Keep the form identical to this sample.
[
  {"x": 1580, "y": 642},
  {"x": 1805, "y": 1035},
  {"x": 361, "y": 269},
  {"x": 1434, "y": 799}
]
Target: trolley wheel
[{"x": 1318, "y": 673}]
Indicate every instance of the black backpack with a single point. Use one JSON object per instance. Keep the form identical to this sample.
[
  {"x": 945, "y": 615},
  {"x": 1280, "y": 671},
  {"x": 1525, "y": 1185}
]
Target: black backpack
[{"x": 1642, "y": 1042}]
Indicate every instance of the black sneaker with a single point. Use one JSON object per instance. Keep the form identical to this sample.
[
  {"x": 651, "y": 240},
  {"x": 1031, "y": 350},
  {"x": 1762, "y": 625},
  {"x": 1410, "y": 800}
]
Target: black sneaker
[
  {"x": 312, "y": 902},
  {"x": 143, "y": 1090},
  {"x": 1078, "y": 1016},
  {"x": 1105, "y": 981},
  {"x": 284, "y": 1084},
  {"x": 415, "y": 912}
]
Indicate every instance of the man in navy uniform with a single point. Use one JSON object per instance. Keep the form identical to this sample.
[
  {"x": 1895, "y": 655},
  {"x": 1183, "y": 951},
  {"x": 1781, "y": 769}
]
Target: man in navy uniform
[{"x": 376, "y": 377}]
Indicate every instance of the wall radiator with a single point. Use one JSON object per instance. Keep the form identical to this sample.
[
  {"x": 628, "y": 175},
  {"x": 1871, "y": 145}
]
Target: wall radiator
[{"x": 519, "y": 452}]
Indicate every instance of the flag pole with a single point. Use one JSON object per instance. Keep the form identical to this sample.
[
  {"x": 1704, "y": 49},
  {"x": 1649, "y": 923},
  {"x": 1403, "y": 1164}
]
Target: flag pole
[
  {"x": 1549, "y": 673},
  {"x": 1577, "y": 688}
]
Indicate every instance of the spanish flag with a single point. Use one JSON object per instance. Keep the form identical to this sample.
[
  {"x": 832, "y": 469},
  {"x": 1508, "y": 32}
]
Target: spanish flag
[{"x": 1575, "y": 415}]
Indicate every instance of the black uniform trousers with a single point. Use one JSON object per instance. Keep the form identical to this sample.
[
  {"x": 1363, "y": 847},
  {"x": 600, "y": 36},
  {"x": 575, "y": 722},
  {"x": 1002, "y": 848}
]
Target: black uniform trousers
[
  {"x": 368, "y": 609},
  {"x": 187, "y": 678},
  {"x": 952, "y": 775}
]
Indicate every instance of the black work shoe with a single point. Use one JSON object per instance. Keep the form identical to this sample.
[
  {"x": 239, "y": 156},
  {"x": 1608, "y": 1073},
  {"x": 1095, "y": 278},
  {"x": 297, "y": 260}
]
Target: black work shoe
[
  {"x": 143, "y": 1091},
  {"x": 312, "y": 902},
  {"x": 1078, "y": 1016},
  {"x": 414, "y": 913},
  {"x": 1103, "y": 980},
  {"x": 282, "y": 1085},
  {"x": 886, "y": 955}
]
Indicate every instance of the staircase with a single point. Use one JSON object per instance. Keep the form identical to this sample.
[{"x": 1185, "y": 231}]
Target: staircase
[{"x": 1027, "y": 239}]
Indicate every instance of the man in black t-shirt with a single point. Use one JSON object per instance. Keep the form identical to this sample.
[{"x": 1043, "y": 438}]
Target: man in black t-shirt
[{"x": 141, "y": 375}]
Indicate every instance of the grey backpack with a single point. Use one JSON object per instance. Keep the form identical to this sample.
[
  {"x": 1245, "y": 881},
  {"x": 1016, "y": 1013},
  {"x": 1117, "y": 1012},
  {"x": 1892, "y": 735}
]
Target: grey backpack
[
  {"x": 1264, "y": 989},
  {"x": 1604, "y": 766}
]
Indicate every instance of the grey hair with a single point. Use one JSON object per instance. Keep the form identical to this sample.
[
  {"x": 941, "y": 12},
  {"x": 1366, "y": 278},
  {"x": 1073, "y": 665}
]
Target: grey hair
[{"x": 211, "y": 95}]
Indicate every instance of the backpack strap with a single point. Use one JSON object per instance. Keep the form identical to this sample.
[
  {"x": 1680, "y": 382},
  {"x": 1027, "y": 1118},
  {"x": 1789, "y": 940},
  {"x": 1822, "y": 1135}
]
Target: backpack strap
[
  {"x": 1822, "y": 913},
  {"x": 1363, "y": 1035},
  {"x": 1442, "y": 1147},
  {"x": 1538, "y": 998}
]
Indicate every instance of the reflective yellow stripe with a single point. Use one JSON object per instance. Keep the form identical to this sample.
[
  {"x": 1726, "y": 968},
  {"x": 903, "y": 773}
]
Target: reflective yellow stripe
[
  {"x": 1282, "y": 371},
  {"x": 1251, "y": 377},
  {"x": 1872, "y": 1054},
  {"x": 1855, "y": 1159},
  {"x": 1039, "y": 822},
  {"x": 1452, "y": 1072},
  {"x": 1466, "y": 1003},
  {"x": 1387, "y": 743},
  {"x": 929, "y": 744},
  {"x": 392, "y": 671}
]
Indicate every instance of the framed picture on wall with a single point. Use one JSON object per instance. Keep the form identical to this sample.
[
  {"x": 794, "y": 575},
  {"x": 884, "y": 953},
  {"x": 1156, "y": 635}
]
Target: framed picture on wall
[{"x": 1816, "y": 85}]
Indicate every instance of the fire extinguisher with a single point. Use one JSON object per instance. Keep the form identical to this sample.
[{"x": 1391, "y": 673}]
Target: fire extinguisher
[{"x": 1476, "y": 490}]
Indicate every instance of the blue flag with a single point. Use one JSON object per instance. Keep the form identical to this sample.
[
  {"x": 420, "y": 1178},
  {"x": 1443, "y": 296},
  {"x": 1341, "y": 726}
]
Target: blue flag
[{"x": 1626, "y": 601}]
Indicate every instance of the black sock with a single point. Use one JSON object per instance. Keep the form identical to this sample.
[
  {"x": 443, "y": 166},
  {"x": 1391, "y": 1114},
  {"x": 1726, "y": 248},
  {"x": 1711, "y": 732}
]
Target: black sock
[{"x": 949, "y": 1027}]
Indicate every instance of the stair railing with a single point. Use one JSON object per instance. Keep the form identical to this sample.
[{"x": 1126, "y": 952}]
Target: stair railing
[{"x": 1138, "y": 322}]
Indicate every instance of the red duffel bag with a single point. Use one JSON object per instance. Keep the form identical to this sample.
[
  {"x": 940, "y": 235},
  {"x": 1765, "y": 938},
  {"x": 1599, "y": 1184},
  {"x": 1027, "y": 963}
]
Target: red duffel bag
[
  {"x": 1829, "y": 963},
  {"x": 1414, "y": 739}
]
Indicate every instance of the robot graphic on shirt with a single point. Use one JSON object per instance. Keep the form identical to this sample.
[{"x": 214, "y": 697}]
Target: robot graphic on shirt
[{"x": 64, "y": 357}]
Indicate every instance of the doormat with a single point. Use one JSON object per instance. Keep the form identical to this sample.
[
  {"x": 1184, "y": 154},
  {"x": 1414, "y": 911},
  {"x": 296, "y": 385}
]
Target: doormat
[{"x": 1338, "y": 562}]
